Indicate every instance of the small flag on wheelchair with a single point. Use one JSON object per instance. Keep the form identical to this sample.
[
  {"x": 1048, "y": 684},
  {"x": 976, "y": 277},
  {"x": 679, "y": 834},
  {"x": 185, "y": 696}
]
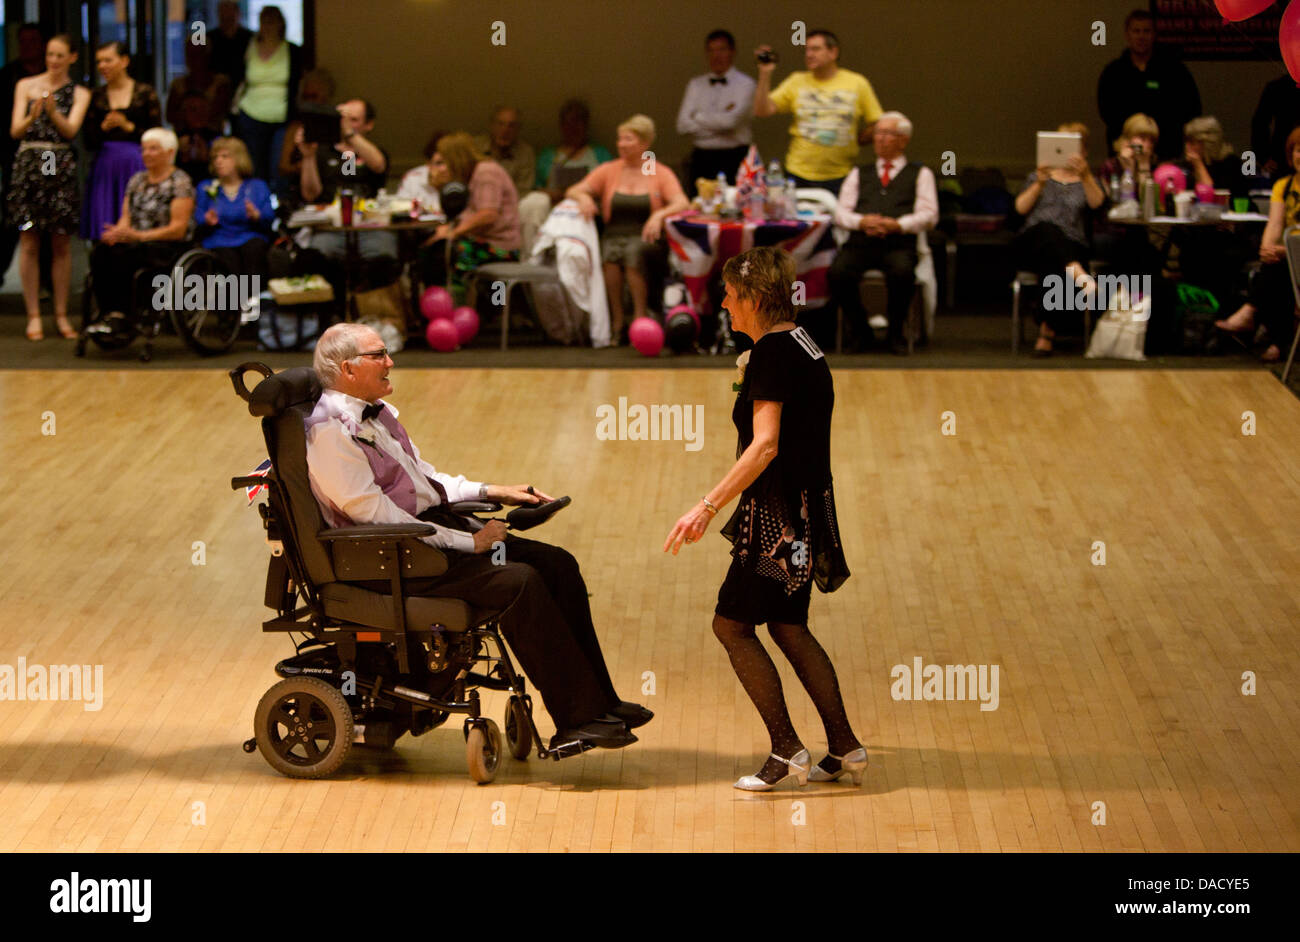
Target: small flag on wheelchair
[{"x": 261, "y": 472}]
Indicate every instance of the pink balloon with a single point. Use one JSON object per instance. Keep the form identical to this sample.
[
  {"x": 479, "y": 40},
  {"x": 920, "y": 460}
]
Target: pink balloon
[
  {"x": 441, "y": 334},
  {"x": 1166, "y": 172},
  {"x": 1235, "y": 10},
  {"x": 684, "y": 309},
  {"x": 436, "y": 302},
  {"x": 647, "y": 336},
  {"x": 465, "y": 320},
  {"x": 1289, "y": 38}
]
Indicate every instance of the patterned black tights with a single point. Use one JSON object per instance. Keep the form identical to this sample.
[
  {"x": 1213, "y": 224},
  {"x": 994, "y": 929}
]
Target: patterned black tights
[{"x": 759, "y": 677}]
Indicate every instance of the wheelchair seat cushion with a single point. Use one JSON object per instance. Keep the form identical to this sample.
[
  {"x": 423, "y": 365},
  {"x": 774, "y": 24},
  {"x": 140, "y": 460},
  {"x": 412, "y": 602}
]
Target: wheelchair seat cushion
[{"x": 375, "y": 610}]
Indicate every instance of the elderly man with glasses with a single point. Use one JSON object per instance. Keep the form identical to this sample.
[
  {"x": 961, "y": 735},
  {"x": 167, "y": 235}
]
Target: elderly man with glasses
[{"x": 364, "y": 469}]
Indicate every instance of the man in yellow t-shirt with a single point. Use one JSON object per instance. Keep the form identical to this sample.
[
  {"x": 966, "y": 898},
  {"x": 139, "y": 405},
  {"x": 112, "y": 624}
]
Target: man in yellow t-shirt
[{"x": 826, "y": 102}]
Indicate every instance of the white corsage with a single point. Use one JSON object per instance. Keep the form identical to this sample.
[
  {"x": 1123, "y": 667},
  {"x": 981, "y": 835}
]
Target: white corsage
[{"x": 742, "y": 361}]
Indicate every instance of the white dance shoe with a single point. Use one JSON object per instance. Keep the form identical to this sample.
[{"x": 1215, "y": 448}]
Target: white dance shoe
[
  {"x": 855, "y": 764},
  {"x": 798, "y": 764}
]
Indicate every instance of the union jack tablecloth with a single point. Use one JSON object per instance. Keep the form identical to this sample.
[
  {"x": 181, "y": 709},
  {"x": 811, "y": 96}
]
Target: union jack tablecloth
[{"x": 701, "y": 245}]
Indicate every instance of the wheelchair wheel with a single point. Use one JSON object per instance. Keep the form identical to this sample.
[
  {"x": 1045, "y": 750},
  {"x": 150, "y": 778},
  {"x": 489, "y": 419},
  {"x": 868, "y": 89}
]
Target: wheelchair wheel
[
  {"x": 483, "y": 751},
  {"x": 303, "y": 727},
  {"x": 519, "y": 735},
  {"x": 205, "y": 331}
]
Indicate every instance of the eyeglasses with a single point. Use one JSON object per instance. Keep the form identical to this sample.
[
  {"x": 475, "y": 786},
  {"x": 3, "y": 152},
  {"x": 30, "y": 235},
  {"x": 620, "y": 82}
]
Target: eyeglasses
[{"x": 379, "y": 354}]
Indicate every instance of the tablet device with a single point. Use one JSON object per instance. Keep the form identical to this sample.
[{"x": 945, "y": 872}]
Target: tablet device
[
  {"x": 1056, "y": 147},
  {"x": 320, "y": 126}
]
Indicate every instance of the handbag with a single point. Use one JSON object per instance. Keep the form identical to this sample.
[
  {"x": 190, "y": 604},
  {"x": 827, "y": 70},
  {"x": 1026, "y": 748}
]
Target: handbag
[{"x": 1121, "y": 332}]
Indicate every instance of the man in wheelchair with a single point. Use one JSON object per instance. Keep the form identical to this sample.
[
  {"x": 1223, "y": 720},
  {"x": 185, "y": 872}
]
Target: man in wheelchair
[{"x": 363, "y": 468}]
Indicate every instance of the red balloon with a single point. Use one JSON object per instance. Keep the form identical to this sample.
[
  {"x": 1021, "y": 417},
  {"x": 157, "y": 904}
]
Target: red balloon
[
  {"x": 441, "y": 334},
  {"x": 465, "y": 320},
  {"x": 1235, "y": 10},
  {"x": 436, "y": 302},
  {"x": 1289, "y": 37}
]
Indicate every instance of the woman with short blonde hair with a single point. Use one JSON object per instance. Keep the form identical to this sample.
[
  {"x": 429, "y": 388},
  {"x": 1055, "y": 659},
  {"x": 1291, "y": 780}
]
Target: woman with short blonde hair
[
  {"x": 784, "y": 532},
  {"x": 634, "y": 194},
  {"x": 233, "y": 210}
]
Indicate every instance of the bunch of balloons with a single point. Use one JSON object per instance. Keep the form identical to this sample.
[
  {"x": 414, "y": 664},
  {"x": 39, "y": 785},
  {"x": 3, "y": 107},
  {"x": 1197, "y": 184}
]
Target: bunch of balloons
[
  {"x": 449, "y": 326},
  {"x": 1289, "y": 34}
]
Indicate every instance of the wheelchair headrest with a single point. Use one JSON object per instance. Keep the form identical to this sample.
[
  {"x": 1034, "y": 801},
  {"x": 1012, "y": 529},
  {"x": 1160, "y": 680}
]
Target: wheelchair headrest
[{"x": 284, "y": 389}]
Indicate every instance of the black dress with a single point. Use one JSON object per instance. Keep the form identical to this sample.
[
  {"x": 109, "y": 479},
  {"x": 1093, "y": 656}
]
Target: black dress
[
  {"x": 784, "y": 531},
  {"x": 39, "y": 199}
]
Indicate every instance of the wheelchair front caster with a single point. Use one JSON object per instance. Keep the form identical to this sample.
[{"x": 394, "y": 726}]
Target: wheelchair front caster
[
  {"x": 483, "y": 750},
  {"x": 250, "y": 745},
  {"x": 519, "y": 731},
  {"x": 303, "y": 727}
]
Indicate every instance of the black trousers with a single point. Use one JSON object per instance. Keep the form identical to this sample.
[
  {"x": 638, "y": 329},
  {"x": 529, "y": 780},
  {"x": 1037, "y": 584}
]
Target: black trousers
[
  {"x": 1271, "y": 293},
  {"x": 547, "y": 622},
  {"x": 246, "y": 259},
  {"x": 709, "y": 163},
  {"x": 895, "y": 255},
  {"x": 1045, "y": 250},
  {"x": 114, "y": 267}
]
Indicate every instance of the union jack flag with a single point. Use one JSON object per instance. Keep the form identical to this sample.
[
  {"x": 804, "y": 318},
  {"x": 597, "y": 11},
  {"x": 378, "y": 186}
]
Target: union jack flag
[
  {"x": 260, "y": 471},
  {"x": 750, "y": 176}
]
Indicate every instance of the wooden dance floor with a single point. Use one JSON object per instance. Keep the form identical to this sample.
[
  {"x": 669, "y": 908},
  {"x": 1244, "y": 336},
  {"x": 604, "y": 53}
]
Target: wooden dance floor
[{"x": 1147, "y": 704}]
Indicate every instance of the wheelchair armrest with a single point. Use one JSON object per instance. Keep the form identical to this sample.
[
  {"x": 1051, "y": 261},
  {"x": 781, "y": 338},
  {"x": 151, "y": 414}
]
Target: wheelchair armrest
[
  {"x": 378, "y": 531},
  {"x": 237, "y": 484},
  {"x": 357, "y": 559},
  {"x": 474, "y": 507}
]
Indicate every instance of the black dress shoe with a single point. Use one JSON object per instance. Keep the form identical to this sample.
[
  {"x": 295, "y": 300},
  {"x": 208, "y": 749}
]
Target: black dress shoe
[
  {"x": 604, "y": 732},
  {"x": 632, "y": 714},
  {"x": 898, "y": 347}
]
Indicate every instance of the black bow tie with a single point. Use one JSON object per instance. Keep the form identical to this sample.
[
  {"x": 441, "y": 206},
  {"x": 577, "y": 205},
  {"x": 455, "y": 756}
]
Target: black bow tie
[
  {"x": 371, "y": 411},
  {"x": 718, "y": 81}
]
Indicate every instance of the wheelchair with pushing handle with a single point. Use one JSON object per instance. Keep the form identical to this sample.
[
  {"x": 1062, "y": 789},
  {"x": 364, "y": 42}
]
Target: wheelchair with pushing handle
[{"x": 382, "y": 663}]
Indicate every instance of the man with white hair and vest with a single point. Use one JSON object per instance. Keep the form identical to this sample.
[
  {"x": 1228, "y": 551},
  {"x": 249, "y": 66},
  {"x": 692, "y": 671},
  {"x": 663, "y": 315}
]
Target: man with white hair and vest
[
  {"x": 884, "y": 205},
  {"x": 363, "y": 468}
]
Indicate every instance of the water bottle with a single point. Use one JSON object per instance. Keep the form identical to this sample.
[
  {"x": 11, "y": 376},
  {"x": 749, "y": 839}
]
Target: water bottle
[
  {"x": 791, "y": 200},
  {"x": 775, "y": 190},
  {"x": 720, "y": 201},
  {"x": 1128, "y": 187}
]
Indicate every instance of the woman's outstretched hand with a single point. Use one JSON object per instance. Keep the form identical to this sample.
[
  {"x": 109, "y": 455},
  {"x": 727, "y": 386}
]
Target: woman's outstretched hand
[{"x": 689, "y": 528}]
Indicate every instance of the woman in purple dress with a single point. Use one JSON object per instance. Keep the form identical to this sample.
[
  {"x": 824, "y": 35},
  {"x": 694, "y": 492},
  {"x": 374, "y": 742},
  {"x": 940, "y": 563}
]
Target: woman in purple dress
[{"x": 121, "y": 110}]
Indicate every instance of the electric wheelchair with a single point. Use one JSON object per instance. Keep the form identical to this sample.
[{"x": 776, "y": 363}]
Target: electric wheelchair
[
  {"x": 204, "y": 331},
  {"x": 379, "y": 665}
]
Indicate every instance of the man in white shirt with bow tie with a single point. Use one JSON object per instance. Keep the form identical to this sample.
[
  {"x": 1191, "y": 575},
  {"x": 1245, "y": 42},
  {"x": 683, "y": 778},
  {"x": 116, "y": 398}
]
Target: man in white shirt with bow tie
[
  {"x": 716, "y": 111},
  {"x": 363, "y": 468},
  {"x": 884, "y": 205}
]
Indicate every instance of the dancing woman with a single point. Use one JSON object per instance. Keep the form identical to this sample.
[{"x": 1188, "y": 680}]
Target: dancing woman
[{"x": 783, "y": 479}]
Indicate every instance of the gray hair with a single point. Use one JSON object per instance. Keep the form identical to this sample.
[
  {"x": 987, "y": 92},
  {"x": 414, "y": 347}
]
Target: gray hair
[
  {"x": 1208, "y": 130},
  {"x": 339, "y": 343},
  {"x": 904, "y": 124},
  {"x": 163, "y": 137}
]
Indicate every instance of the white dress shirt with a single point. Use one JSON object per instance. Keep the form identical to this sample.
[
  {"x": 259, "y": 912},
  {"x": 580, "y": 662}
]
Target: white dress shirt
[
  {"x": 925, "y": 209},
  {"x": 341, "y": 476},
  {"x": 718, "y": 115}
]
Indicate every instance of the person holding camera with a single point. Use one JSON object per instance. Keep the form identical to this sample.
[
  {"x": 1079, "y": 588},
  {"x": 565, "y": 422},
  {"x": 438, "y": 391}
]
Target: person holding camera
[{"x": 827, "y": 103}]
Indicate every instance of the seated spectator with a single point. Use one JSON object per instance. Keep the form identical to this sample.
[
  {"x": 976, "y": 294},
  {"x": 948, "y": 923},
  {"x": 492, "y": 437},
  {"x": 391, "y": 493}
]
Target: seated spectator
[
  {"x": 634, "y": 196},
  {"x": 316, "y": 89},
  {"x": 502, "y": 145},
  {"x": 1056, "y": 202},
  {"x": 487, "y": 230},
  {"x": 884, "y": 206},
  {"x": 560, "y": 167},
  {"x": 195, "y": 135},
  {"x": 199, "y": 79},
  {"x": 1135, "y": 149},
  {"x": 1276, "y": 115},
  {"x": 355, "y": 163},
  {"x": 233, "y": 210},
  {"x": 1208, "y": 159},
  {"x": 1272, "y": 301},
  {"x": 417, "y": 183},
  {"x": 155, "y": 226},
  {"x": 575, "y": 156}
]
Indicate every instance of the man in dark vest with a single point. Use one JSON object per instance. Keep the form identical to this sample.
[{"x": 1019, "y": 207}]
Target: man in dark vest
[{"x": 885, "y": 205}]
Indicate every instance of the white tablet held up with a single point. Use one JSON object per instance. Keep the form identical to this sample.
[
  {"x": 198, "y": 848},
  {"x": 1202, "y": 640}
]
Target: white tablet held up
[{"x": 1056, "y": 147}]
